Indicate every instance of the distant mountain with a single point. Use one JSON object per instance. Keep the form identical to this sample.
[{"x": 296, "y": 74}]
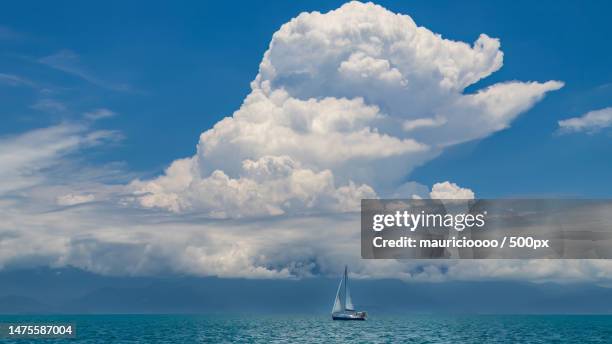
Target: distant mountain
[
  {"x": 72, "y": 290},
  {"x": 15, "y": 304}
]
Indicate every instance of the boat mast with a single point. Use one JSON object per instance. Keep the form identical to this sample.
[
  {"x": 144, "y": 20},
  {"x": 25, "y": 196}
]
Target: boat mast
[{"x": 345, "y": 285}]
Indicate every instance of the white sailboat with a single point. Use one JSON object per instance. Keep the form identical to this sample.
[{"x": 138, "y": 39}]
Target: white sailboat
[{"x": 343, "y": 305}]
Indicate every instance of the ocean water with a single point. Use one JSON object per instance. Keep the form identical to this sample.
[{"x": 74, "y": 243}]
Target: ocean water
[{"x": 321, "y": 329}]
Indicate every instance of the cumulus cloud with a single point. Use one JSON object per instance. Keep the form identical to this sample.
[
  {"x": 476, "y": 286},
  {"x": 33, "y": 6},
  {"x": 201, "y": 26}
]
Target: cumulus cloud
[
  {"x": 350, "y": 101},
  {"x": 590, "y": 122},
  {"x": 106, "y": 239},
  {"x": 272, "y": 185},
  {"x": 344, "y": 106},
  {"x": 448, "y": 190}
]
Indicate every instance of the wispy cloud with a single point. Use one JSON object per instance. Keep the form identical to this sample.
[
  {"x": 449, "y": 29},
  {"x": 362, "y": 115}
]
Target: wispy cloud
[
  {"x": 74, "y": 199},
  {"x": 27, "y": 157},
  {"x": 7, "y": 33},
  {"x": 69, "y": 62},
  {"x": 590, "y": 122},
  {"x": 99, "y": 114},
  {"x": 49, "y": 105},
  {"x": 16, "y": 80}
]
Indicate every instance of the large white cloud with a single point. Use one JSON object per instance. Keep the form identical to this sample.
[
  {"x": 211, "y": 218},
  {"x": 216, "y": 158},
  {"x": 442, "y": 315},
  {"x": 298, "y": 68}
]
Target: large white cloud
[
  {"x": 73, "y": 222},
  {"x": 350, "y": 101},
  {"x": 272, "y": 185},
  {"x": 106, "y": 239},
  {"x": 344, "y": 106}
]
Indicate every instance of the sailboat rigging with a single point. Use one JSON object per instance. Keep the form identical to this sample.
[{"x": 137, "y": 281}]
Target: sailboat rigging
[{"x": 343, "y": 304}]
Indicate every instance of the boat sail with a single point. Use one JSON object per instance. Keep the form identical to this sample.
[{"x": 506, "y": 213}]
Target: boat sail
[{"x": 343, "y": 304}]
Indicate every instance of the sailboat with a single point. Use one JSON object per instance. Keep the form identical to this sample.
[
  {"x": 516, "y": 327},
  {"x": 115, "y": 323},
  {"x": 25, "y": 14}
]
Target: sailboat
[{"x": 343, "y": 305}]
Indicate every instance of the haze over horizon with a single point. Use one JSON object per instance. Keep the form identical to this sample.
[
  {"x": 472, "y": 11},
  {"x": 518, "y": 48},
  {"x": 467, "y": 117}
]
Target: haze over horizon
[{"x": 74, "y": 291}]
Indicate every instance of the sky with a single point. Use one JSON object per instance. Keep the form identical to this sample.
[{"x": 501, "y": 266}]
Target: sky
[
  {"x": 202, "y": 139},
  {"x": 157, "y": 52}
]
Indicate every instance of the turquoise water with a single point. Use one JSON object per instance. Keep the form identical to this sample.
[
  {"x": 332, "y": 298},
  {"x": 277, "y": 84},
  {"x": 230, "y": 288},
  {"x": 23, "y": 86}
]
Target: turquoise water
[{"x": 320, "y": 329}]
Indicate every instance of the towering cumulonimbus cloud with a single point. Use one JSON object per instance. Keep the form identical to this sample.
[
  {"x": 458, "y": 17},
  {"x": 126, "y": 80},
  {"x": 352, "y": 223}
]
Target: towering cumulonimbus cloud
[{"x": 344, "y": 106}]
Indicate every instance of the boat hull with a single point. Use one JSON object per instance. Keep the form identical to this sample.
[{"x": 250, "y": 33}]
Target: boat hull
[
  {"x": 355, "y": 316},
  {"x": 345, "y": 319}
]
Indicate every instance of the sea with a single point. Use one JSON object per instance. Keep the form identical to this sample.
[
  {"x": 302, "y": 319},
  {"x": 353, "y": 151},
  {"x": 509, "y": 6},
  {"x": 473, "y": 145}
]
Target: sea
[{"x": 321, "y": 329}]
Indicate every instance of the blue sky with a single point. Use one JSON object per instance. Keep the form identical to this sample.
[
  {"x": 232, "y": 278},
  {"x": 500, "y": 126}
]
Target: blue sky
[
  {"x": 170, "y": 72},
  {"x": 125, "y": 90}
]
